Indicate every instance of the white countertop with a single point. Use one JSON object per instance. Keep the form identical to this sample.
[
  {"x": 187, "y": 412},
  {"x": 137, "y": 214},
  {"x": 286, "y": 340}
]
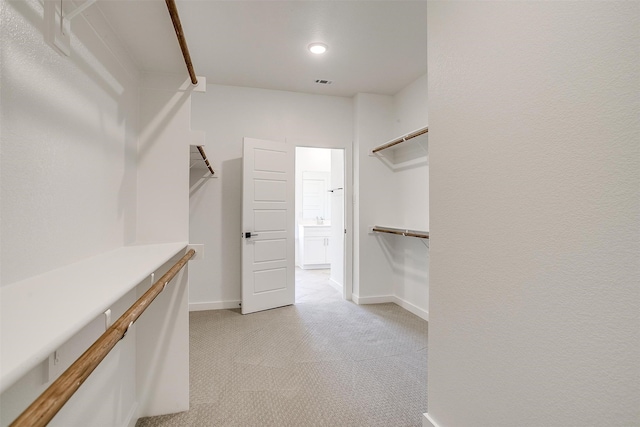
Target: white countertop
[{"x": 40, "y": 313}]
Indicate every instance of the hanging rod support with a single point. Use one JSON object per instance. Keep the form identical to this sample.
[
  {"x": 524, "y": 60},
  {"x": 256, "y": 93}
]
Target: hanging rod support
[
  {"x": 177, "y": 25},
  {"x": 78, "y": 10}
]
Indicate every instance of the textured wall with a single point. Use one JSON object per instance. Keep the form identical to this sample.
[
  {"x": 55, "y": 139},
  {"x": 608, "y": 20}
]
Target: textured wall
[
  {"x": 67, "y": 184},
  {"x": 376, "y": 196},
  {"x": 163, "y": 158},
  {"x": 411, "y": 113},
  {"x": 535, "y": 213},
  {"x": 411, "y": 256}
]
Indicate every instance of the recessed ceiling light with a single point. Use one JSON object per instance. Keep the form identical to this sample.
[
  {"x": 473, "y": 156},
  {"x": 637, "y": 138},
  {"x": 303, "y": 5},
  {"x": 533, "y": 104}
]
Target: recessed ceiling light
[{"x": 318, "y": 48}]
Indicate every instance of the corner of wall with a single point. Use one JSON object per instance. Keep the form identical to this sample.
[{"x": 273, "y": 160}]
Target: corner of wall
[
  {"x": 163, "y": 157},
  {"x": 427, "y": 421}
]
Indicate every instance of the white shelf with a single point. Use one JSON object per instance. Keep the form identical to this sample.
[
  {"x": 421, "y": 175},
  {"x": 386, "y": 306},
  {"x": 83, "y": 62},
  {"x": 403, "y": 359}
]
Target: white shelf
[
  {"x": 406, "y": 151},
  {"x": 40, "y": 313}
]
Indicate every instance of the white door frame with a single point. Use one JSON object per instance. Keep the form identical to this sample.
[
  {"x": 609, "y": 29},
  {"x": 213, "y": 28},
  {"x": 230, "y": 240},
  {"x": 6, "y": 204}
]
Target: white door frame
[{"x": 347, "y": 289}]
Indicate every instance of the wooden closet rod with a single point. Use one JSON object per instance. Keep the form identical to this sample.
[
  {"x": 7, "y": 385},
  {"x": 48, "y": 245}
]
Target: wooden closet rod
[
  {"x": 47, "y": 405},
  {"x": 401, "y": 232},
  {"x": 204, "y": 157},
  {"x": 400, "y": 140},
  {"x": 177, "y": 25}
]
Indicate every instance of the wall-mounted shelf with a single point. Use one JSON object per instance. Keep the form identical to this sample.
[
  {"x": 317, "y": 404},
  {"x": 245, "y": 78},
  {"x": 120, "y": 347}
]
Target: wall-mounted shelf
[
  {"x": 198, "y": 158},
  {"x": 407, "y": 150},
  {"x": 408, "y": 137},
  {"x": 401, "y": 232},
  {"x": 42, "y": 312}
]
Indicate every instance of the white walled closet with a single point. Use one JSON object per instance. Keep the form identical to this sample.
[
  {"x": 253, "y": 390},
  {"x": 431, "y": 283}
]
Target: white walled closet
[
  {"x": 102, "y": 209},
  {"x": 138, "y": 201},
  {"x": 392, "y": 268}
]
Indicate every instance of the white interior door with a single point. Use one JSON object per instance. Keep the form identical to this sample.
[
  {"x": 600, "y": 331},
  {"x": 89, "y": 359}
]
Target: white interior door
[{"x": 268, "y": 245}]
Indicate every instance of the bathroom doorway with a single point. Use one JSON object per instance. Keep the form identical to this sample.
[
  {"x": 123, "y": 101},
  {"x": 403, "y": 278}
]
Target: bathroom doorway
[{"x": 320, "y": 223}]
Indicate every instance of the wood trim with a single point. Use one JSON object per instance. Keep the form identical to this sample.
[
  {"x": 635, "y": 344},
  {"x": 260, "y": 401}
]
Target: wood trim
[
  {"x": 401, "y": 232},
  {"x": 177, "y": 25},
  {"x": 47, "y": 405},
  {"x": 204, "y": 157},
  {"x": 401, "y": 139}
]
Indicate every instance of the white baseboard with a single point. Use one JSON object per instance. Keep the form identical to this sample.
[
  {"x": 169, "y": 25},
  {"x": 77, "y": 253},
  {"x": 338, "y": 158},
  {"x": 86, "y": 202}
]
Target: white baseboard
[
  {"x": 213, "y": 305},
  {"x": 381, "y": 299},
  {"x": 421, "y": 313},
  {"x": 427, "y": 421},
  {"x": 335, "y": 284}
]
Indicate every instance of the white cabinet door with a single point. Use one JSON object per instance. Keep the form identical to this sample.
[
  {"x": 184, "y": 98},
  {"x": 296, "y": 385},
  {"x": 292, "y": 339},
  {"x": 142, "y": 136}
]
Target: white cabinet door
[
  {"x": 315, "y": 251},
  {"x": 314, "y": 246}
]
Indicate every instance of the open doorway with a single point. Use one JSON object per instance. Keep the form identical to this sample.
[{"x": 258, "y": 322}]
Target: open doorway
[{"x": 320, "y": 216}]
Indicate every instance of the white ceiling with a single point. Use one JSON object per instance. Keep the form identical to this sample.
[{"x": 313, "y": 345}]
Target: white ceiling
[{"x": 374, "y": 46}]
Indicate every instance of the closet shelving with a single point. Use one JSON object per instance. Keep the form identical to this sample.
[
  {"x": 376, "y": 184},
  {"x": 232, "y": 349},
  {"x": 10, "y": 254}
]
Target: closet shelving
[
  {"x": 408, "y": 137},
  {"x": 197, "y": 155},
  {"x": 405, "y": 151},
  {"x": 398, "y": 155},
  {"x": 66, "y": 300},
  {"x": 401, "y": 232}
]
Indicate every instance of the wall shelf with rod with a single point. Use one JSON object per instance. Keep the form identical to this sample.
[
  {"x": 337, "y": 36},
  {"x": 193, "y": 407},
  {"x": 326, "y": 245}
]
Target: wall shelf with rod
[
  {"x": 59, "y": 303},
  {"x": 401, "y": 232},
  {"x": 397, "y": 153},
  {"x": 198, "y": 158},
  {"x": 408, "y": 137},
  {"x": 47, "y": 405}
]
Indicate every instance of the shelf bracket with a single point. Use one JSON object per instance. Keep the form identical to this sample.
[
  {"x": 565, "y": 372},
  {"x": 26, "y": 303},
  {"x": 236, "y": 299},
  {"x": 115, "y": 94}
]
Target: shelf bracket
[
  {"x": 107, "y": 319},
  {"x": 78, "y": 10},
  {"x": 58, "y": 24}
]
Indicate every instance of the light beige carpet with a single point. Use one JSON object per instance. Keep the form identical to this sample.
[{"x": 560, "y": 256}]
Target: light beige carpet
[{"x": 321, "y": 362}]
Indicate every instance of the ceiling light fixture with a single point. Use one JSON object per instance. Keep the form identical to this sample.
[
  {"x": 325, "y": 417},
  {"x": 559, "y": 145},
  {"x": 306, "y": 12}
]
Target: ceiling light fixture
[{"x": 318, "y": 48}]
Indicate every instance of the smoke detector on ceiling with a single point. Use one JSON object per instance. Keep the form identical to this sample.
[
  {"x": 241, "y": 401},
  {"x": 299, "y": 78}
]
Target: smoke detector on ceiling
[{"x": 324, "y": 82}]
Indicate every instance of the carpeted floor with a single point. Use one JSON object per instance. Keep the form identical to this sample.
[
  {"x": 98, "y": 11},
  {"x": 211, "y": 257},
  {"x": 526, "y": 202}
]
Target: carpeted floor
[{"x": 321, "y": 362}]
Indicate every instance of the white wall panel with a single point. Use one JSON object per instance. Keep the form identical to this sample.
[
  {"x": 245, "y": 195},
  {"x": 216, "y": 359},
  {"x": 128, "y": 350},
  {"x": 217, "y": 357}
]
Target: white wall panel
[
  {"x": 535, "y": 212},
  {"x": 67, "y": 186}
]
